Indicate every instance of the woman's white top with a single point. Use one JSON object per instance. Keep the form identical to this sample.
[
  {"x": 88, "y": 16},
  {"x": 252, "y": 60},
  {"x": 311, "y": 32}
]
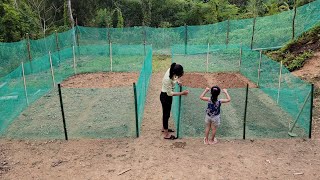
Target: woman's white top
[{"x": 168, "y": 84}]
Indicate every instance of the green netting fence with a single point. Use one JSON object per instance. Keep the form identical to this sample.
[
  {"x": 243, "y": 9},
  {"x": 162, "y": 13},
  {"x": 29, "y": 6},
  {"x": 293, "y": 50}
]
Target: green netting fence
[
  {"x": 278, "y": 103},
  {"x": 29, "y": 101},
  {"x": 87, "y": 49},
  {"x": 261, "y": 32}
]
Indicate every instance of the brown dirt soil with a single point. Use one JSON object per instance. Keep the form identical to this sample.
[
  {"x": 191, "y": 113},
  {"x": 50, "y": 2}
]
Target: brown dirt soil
[
  {"x": 100, "y": 80},
  {"x": 152, "y": 157},
  {"x": 223, "y": 80}
]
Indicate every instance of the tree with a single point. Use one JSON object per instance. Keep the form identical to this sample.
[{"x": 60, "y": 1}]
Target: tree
[
  {"x": 10, "y": 23},
  {"x": 146, "y": 11},
  {"x": 255, "y": 8},
  {"x": 46, "y": 12}
]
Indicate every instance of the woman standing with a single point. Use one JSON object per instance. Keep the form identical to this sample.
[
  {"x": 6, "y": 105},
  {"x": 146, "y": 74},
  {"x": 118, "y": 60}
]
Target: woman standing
[{"x": 169, "y": 79}]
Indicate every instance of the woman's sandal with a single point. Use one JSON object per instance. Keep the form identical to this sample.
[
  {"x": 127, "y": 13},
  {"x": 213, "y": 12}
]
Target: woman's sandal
[
  {"x": 172, "y": 137},
  {"x": 169, "y": 130}
]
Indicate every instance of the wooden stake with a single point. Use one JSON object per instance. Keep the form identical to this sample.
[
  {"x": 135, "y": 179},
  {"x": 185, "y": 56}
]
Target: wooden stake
[
  {"x": 259, "y": 68},
  {"x": 51, "y": 67},
  {"x": 240, "y": 59},
  {"x": 253, "y": 28},
  {"x": 208, "y": 57},
  {"x": 110, "y": 52},
  {"x": 280, "y": 74},
  {"x": 74, "y": 60},
  {"x": 24, "y": 84}
]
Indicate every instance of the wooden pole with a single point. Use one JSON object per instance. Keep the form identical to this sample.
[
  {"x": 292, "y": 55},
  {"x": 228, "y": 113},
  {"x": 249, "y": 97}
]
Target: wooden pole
[
  {"x": 253, "y": 29},
  {"x": 240, "y": 59},
  {"x": 24, "y": 84},
  {"x": 28, "y": 47},
  {"x": 228, "y": 29},
  {"x": 259, "y": 68},
  {"x": 208, "y": 57},
  {"x": 294, "y": 19},
  {"x": 280, "y": 74},
  {"x": 186, "y": 39},
  {"x": 144, "y": 39},
  {"x": 109, "y": 35},
  {"x": 74, "y": 60},
  {"x": 110, "y": 52},
  {"x": 57, "y": 46},
  {"x": 52, "y": 72}
]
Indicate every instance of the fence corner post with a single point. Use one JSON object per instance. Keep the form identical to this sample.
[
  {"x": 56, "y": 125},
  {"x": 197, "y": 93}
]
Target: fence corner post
[{"x": 136, "y": 108}]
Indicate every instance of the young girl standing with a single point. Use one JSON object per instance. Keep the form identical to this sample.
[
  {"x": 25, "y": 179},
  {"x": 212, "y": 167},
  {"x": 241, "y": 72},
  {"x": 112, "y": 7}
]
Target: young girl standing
[{"x": 212, "y": 118}]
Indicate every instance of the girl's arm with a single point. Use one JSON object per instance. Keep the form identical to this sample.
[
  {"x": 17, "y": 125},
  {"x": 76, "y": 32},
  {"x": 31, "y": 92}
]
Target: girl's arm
[
  {"x": 227, "y": 95},
  {"x": 204, "y": 93}
]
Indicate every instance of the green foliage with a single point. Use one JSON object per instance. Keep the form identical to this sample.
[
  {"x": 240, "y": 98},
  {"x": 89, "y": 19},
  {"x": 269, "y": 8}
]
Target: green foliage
[
  {"x": 293, "y": 62},
  {"x": 146, "y": 10},
  {"x": 10, "y": 24},
  {"x": 295, "y": 53},
  {"x": 103, "y": 18}
]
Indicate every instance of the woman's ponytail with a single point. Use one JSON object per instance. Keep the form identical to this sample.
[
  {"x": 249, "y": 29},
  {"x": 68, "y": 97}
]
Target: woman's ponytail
[{"x": 172, "y": 70}]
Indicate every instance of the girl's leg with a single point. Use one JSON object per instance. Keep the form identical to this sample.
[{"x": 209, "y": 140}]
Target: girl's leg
[
  {"x": 207, "y": 130},
  {"x": 214, "y": 130}
]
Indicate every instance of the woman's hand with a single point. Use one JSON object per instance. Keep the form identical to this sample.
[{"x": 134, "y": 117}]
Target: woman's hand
[
  {"x": 185, "y": 92},
  {"x": 207, "y": 89}
]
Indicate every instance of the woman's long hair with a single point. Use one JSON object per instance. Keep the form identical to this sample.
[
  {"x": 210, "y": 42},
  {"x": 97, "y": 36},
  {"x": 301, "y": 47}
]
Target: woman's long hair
[{"x": 176, "y": 69}]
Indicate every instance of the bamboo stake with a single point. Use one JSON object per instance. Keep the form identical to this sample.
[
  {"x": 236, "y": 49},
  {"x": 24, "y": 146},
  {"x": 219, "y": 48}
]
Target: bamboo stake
[
  {"x": 74, "y": 60},
  {"x": 259, "y": 69},
  {"x": 24, "y": 84},
  {"x": 51, "y": 67},
  {"x": 280, "y": 74},
  {"x": 240, "y": 59},
  {"x": 110, "y": 52},
  {"x": 208, "y": 57}
]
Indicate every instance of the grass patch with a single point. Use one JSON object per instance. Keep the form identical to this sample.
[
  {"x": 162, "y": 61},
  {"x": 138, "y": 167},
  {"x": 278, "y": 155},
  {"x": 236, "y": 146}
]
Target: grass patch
[
  {"x": 294, "y": 54},
  {"x": 160, "y": 63}
]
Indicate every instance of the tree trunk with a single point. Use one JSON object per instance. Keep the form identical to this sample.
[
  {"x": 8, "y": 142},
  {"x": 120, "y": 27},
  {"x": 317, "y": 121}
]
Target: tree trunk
[{"x": 72, "y": 22}]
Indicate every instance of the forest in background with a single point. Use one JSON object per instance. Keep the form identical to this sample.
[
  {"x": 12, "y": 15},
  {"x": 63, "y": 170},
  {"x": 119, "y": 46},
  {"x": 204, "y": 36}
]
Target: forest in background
[{"x": 41, "y": 18}]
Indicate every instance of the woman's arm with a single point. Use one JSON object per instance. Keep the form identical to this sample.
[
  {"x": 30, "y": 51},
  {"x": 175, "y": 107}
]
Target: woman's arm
[
  {"x": 204, "y": 93},
  {"x": 227, "y": 95},
  {"x": 185, "y": 92}
]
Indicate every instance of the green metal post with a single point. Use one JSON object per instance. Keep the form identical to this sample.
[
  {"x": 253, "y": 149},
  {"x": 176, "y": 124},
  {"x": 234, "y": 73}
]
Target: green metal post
[
  {"x": 311, "y": 109},
  {"x": 136, "y": 108},
  {"x": 245, "y": 113},
  {"x": 62, "y": 111},
  {"x": 179, "y": 114}
]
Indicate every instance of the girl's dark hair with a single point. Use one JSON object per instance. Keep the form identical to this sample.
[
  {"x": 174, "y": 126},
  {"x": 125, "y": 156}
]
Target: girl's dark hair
[
  {"x": 176, "y": 69},
  {"x": 215, "y": 91}
]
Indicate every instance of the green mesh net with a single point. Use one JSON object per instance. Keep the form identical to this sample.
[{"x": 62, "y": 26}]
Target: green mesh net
[
  {"x": 281, "y": 103},
  {"x": 30, "y": 106},
  {"x": 87, "y": 49}
]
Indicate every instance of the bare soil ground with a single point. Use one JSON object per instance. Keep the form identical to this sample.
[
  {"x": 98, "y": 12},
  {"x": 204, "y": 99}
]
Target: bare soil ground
[
  {"x": 100, "y": 80},
  {"x": 152, "y": 157},
  {"x": 224, "y": 80}
]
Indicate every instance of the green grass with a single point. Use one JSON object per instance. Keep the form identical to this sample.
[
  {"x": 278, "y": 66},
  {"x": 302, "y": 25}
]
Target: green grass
[
  {"x": 160, "y": 63},
  {"x": 295, "y": 53}
]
